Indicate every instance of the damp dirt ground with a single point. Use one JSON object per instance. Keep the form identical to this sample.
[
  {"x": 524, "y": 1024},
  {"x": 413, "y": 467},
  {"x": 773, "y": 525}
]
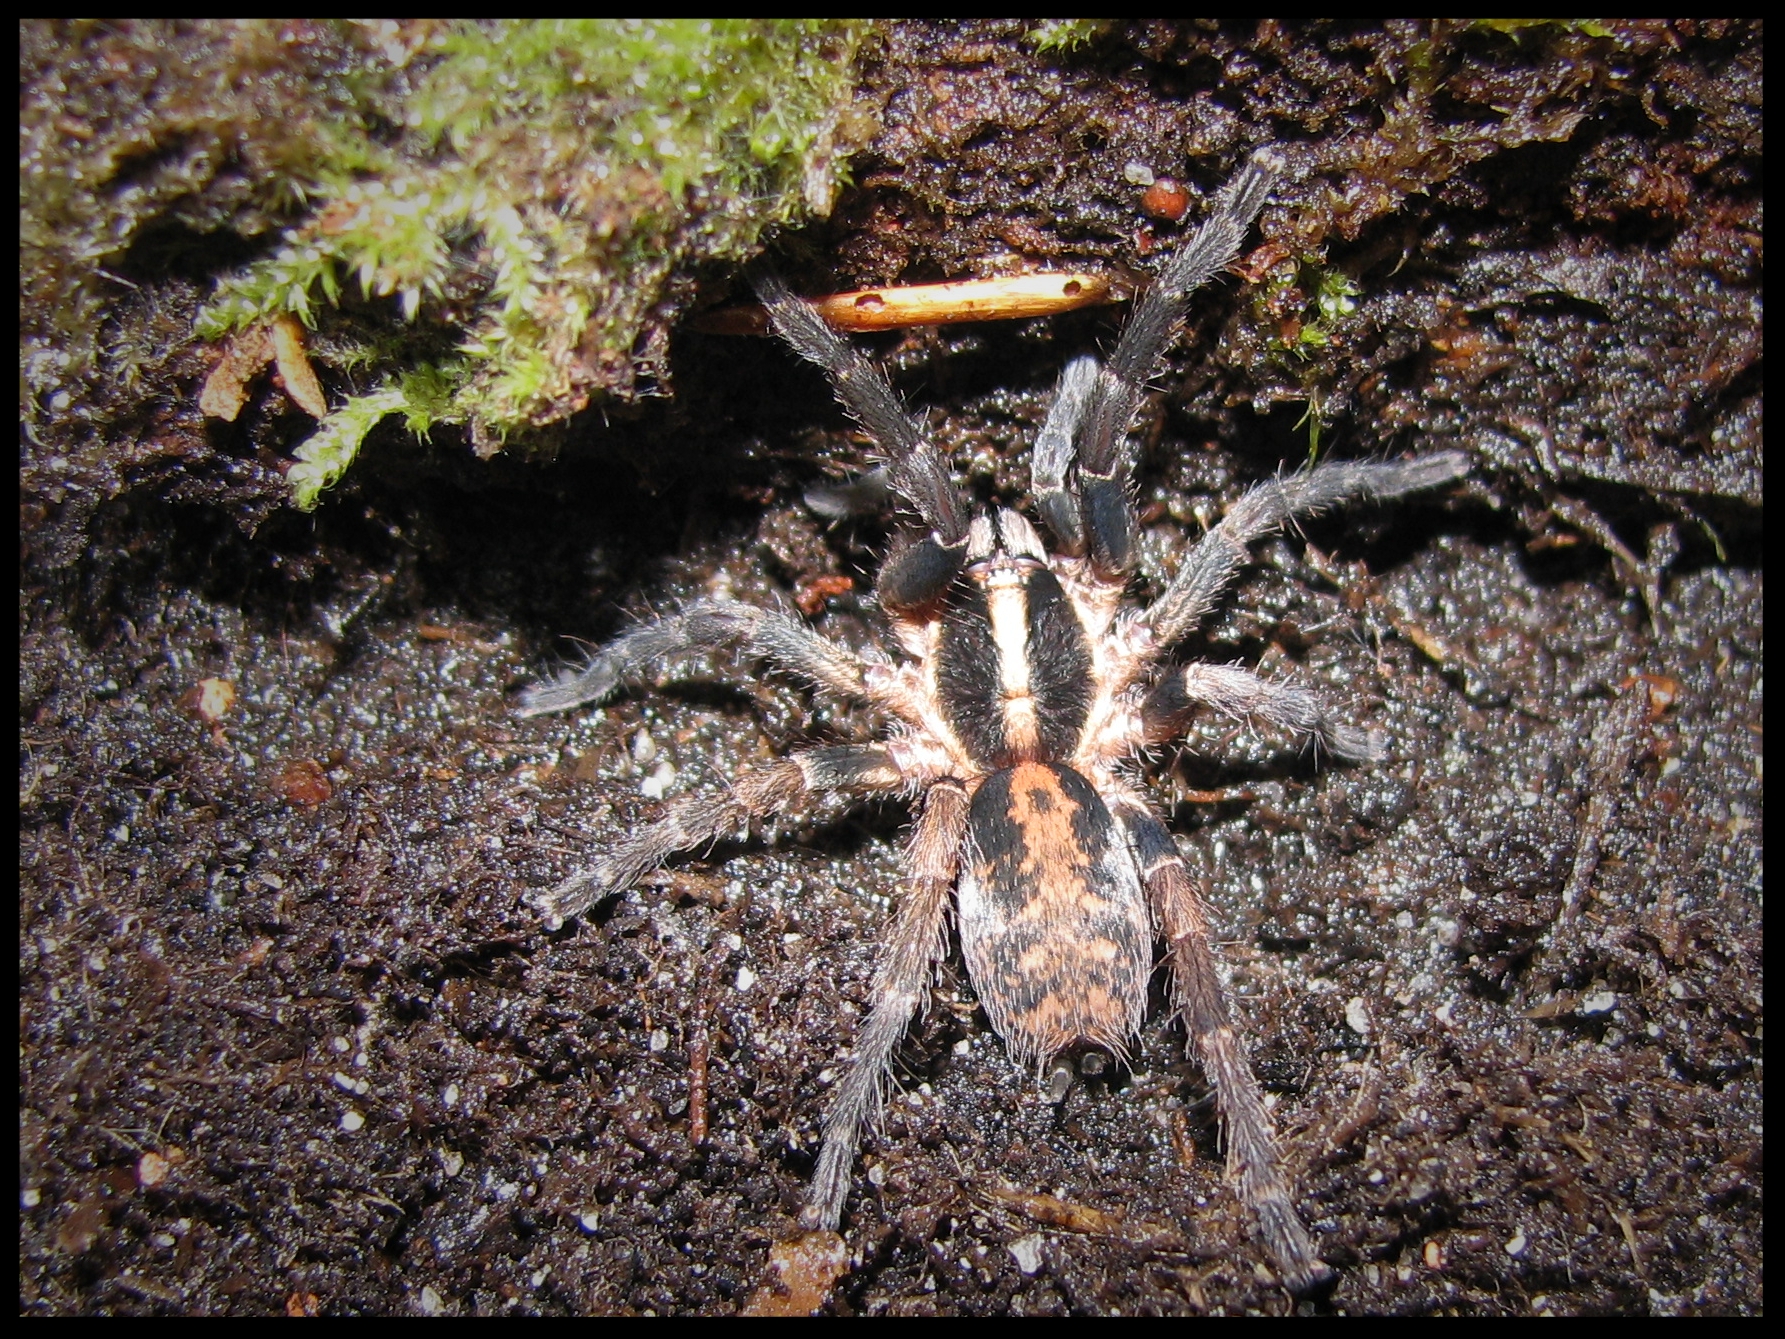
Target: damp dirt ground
[{"x": 292, "y": 1043}]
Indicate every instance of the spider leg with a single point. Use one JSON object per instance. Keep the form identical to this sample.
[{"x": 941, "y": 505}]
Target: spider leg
[
  {"x": 1050, "y": 463},
  {"x": 900, "y": 980},
  {"x": 1219, "y": 554},
  {"x": 848, "y": 769},
  {"x": 919, "y": 570},
  {"x": 1243, "y": 695},
  {"x": 1105, "y": 458},
  {"x": 1252, "y": 1161},
  {"x": 709, "y": 625}
]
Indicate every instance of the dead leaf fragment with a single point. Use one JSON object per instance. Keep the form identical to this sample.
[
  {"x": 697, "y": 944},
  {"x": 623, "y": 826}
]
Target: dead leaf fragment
[
  {"x": 280, "y": 342},
  {"x": 293, "y": 363},
  {"x": 226, "y": 389},
  {"x": 1074, "y": 1217},
  {"x": 303, "y": 782},
  {"x": 801, "y": 1274},
  {"x": 82, "y": 1227}
]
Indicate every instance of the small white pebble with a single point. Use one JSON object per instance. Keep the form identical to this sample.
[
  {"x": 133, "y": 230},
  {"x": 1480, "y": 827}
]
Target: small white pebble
[{"x": 1026, "y": 1251}]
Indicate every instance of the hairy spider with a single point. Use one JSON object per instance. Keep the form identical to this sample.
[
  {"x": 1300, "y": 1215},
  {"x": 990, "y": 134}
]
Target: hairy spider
[{"x": 1027, "y": 691}]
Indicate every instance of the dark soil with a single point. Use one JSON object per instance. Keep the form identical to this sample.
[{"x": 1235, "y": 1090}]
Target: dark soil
[{"x": 290, "y": 1042}]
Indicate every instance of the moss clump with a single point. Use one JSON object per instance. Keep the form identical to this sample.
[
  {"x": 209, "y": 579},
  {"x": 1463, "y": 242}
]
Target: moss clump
[
  {"x": 147, "y": 149},
  {"x": 324, "y": 457},
  {"x": 549, "y": 178},
  {"x": 481, "y": 218},
  {"x": 1067, "y": 35}
]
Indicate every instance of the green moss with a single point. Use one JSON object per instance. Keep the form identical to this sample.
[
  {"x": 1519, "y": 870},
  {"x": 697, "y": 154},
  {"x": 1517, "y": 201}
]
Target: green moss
[
  {"x": 1310, "y": 308},
  {"x": 324, "y": 458},
  {"x": 549, "y": 179},
  {"x": 138, "y": 137},
  {"x": 1335, "y": 295},
  {"x": 1066, "y": 34},
  {"x": 1517, "y": 28},
  {"x": 1317, "y": 299}
]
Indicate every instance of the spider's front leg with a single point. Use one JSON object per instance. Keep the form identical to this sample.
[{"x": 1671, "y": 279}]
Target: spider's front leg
[
  {"x": 845, "y": 769},
  {"x": 1253, "y": 1165},
  {"x": 923, "y": 564},
  {"x": 917, "y": 941},
  {"x": 1083, "y": 461}
]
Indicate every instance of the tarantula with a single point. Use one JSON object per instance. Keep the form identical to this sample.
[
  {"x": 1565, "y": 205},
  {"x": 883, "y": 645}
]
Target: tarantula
[{"x": 1028, "y": 688}]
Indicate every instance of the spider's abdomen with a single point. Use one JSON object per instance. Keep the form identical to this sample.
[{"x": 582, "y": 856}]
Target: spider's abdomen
[
  {"x": 1053, "y": 922},
  {"x": 1013, "y": 670}
]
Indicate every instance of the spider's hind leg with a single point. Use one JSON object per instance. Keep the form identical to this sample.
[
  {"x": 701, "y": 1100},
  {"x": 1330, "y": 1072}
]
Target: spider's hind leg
[
  {"x": 1253, "y": 1165},
  {"x": 916, "y": 942}
]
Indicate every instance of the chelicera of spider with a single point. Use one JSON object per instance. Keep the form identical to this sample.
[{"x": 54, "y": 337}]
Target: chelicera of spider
[{"x": 1026, "y": 690}]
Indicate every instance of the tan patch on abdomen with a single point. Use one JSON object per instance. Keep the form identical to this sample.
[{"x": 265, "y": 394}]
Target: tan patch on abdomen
[{"x": 1054, "y": 925}]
